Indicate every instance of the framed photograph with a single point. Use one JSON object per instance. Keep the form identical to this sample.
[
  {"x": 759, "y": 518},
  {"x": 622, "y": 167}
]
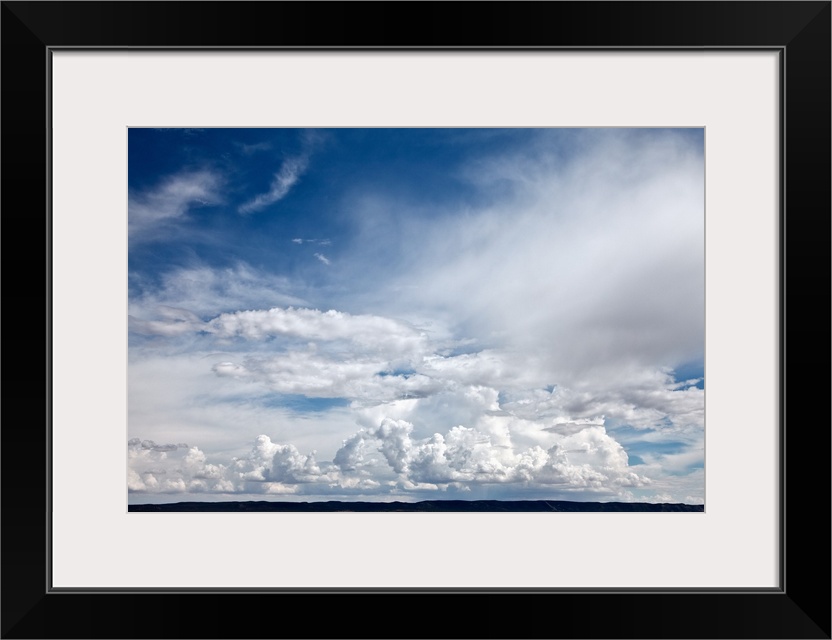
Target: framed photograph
[{"x": 495, "y": 307}]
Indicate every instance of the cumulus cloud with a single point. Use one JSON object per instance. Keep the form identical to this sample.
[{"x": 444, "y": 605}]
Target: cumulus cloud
[
  {"x": 157, "y": 208},
  {"x": 173, "y": 469},
  {"x": 271, "y": 462},
  {"x": 588, "y": 460},
  {"x": 323, "y": 258},
  {"x": 158, "y": 469},
  {"x": 290, "y": 172},
  {"x": 462, "y": 458}
]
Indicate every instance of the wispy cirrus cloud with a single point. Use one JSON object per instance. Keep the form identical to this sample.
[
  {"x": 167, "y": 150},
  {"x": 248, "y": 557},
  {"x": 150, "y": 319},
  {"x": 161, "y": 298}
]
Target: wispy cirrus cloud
[
  {"x": 321, "y": 241},
  {"x": 249, "y": 149},
  {"x": 200, "y": 290},
  {"x": 156, "y": 209},
  {"x": 290, "y": 172}
]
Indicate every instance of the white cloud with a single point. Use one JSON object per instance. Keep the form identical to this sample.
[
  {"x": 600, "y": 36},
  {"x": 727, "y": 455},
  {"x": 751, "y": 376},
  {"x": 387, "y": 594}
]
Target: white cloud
[
  {"x": 170, "y": 322},
  {"x": 487, "y": 367},
  {"x": 249, "y": 149},
  {"x": 323, "y": 258},
  {"x": 151, "y": 212},
  {"x": 290, "y": 172},
  {"x": 176, "y": 397},
  {"x": 324, "y": 242},
  {"x": 306, "y": 373},
  {"x": 584, "y": 268},
  {"x": 185, "y": 295},
  {"x": 643, "y": 399},
  {"x": 374, "y": 334},
  {"x": 688, "y": 488},
  {"x": 589, "y": 460},
  {"x": 679, "y": 462},
  {"x": 173, "y": 469},
  {"x": 281, "y": 463}
]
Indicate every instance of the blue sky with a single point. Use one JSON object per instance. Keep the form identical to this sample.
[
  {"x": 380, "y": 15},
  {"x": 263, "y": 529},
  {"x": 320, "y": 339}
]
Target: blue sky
[{"x": 409, "y": 314}]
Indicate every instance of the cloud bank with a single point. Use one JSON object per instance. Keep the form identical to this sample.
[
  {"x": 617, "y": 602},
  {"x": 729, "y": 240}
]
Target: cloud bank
[{"x": 389, "y": 459}]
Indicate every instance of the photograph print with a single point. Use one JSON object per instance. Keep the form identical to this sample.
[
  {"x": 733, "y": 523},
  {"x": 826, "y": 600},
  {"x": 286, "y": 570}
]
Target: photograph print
[{"x": 413, "y": 319}]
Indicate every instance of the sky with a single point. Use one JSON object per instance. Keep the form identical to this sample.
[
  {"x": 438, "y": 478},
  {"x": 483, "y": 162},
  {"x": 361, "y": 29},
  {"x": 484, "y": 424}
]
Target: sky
[{"x": 416, "y": 314}]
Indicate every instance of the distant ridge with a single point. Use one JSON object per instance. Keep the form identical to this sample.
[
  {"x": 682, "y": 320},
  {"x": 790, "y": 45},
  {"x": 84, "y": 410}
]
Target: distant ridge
[{"x": 427, "y": 506}]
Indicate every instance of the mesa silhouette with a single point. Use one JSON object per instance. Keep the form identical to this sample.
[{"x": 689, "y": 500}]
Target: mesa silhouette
[{"x": 426, "y": 506}]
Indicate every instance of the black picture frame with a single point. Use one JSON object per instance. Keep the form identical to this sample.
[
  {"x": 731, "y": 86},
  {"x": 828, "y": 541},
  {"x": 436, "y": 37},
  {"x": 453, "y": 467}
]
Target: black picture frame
[{"x": 799, "y": 608}]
